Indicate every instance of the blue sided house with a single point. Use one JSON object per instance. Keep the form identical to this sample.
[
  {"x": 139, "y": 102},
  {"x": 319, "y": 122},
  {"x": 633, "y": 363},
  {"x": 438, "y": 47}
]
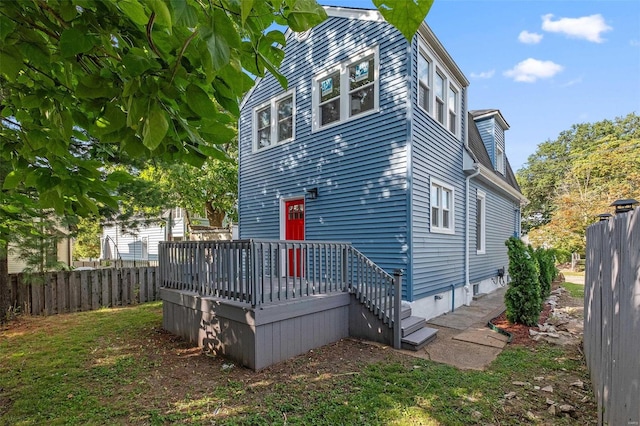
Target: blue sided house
[
  {"x": 370, "y": 199},
  {"x": 372, "y": 143}
]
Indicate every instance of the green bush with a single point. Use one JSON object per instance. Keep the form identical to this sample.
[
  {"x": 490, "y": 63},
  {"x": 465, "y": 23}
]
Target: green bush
[
  {"x": 523, "y": 299},
  {"x": 562, "y": 256},
  {"x": 547, "y": 269}
]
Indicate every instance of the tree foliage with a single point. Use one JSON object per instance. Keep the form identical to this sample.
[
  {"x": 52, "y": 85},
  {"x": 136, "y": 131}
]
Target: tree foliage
[
  {"x": 89, "y": 85},
  {"x": 523, "y": 298},
  {"x": 572, "y": 179}
]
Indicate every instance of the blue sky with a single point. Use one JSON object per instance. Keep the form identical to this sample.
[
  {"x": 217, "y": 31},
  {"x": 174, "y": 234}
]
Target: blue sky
[{"x": 545, "y": 64}]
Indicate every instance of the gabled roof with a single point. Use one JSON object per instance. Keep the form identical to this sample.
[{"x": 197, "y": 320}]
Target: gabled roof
[
  {"x": 480, "y": 114},
  {"x": 479, "y": 151}
]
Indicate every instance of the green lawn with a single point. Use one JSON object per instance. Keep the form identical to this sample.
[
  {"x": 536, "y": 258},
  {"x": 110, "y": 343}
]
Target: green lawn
[
  {"x": 575, "y": 290},
  {"x": 115, "y": 366}
]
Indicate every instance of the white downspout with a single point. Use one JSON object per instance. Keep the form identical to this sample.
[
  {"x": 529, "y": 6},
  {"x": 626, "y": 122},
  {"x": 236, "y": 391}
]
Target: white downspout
[{"x": 467, "y": 285}]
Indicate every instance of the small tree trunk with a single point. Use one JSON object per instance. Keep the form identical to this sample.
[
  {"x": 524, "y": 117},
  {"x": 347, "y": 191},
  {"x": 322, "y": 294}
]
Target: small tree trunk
[
  {"x": 214, "y": 215},
  {"x": 4, "y": 281}
]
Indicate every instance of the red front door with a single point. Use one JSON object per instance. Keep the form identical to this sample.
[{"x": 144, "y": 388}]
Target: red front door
[{"x": 294, "y": 230}]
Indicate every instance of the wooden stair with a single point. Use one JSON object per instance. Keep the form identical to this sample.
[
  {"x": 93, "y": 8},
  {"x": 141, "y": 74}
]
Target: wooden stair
[{"x": 415, "y": 335}]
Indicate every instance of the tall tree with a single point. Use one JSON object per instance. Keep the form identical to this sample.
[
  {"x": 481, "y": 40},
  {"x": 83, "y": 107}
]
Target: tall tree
[
  {"x": 595, "y": 164},
  {"x": 89, "y": 83}
]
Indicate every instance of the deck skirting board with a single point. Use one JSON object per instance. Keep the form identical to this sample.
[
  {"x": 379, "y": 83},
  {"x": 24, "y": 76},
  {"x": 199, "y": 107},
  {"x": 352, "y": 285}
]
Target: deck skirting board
[{"x": 259, "y": 337}]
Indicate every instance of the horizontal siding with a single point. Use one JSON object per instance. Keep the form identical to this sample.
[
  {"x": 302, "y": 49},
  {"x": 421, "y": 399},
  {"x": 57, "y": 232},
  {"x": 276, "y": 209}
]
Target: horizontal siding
[
  {"x": 437, "y": 259},
  {"x": 486, "y": 128},
  {"x": 359, "y": 167},
  {"x": 129, "y": 241},
  {"x": 500, "y": 225}
]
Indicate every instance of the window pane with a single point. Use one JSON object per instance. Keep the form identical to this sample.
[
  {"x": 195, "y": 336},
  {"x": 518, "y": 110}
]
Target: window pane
[
  {"x": 264, "y": 137},
  {"x": 285, "y": 129},
  {"x": 361, "y": 100},
  {"x": 423, "y": 96},
  {"x": 445, "y": 219},
  {"x": 452, "y": 99},
  {"x": 329, "y": 86},
  {"x": 452, "y": 122},
  {"x": 435, "y": 196},
  {"x": 423, "y": 69},
  {"x": 330, "y": 112},
  {"x": 434, "y": 217},
  {"x": 361, "y": 73},
  {"x": 439, "y": 86},
  {"x": 440, "y": 111},
  {"x": 446, "y": 199},
  {"x": 285, "y": 108},
  {"x": 479, "y": 224},
  {"x": 264, "y": 117}
]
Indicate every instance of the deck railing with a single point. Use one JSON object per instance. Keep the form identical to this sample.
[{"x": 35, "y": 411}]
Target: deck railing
[{"x": 257, "y": 272}]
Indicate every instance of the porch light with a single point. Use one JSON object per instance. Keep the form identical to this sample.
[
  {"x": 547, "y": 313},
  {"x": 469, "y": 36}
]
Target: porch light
[
  {"x": 312, "y": 193},
  {"x": 604, "y": 216},
  {"x": 624, "y": 205}
]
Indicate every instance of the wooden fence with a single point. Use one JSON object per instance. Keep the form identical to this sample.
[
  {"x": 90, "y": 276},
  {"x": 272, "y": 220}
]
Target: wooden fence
[
  {"x": 71, "y": 291},
  {"x": 116, "y": 263},
  {"x": 612, "y": 317}
]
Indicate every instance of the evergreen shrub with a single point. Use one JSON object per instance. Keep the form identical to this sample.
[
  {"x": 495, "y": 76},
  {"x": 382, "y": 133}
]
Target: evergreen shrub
[{"x": 523, "y": 299}]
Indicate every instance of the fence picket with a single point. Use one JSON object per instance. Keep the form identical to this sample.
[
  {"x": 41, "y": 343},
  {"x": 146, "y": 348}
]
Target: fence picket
[{"x": 612, "y": 316}]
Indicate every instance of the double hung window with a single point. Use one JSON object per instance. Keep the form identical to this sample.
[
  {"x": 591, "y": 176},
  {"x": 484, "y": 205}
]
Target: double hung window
[
  {"x": 274, "y": 121},
  {"x": 346, "y": 91},
  {"x": 438, "y": 92},
  {"x": 442, "y": 208}
]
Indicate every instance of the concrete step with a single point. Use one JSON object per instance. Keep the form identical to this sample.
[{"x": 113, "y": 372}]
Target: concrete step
[
  {"x": 405, "y": 312},
  {"x": 419, "y": 339},
  {"x": 411, "y": 324}
]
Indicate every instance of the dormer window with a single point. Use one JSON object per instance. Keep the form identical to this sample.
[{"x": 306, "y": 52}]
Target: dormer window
[
  {"x": 443, "y": 102},
  {"x": 346, "y": 91},
  {"x": 273, "y": 122}
]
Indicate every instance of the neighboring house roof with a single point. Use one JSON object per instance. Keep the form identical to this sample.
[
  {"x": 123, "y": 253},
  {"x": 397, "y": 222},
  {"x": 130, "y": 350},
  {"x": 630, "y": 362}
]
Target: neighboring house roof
[{"x": 479, "y": 150}]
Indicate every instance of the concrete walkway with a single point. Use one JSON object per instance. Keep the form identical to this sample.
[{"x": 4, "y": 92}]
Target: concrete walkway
[{"x": 464, "y": 340}]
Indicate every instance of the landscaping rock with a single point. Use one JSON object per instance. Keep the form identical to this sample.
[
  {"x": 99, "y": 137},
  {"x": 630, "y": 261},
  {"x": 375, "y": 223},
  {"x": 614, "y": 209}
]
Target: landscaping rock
[
  {"x": 578, "y": 384},
  {"x": 566, "y": 408},
  {"x": 548, "y": 389},
  {"x": 552, "y": 410},
  {"x": 509, "y": 395},
  {"x": 550, "y": 402},
  {"x": 521, "y": 383}
]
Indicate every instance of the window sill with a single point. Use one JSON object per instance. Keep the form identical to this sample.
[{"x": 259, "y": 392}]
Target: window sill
[
  {"x": 267, "y": 148},
  {"x": 442, "y": 231},
  {"x": 316, "y": 129},
  {"x": 481, "y": 252}
]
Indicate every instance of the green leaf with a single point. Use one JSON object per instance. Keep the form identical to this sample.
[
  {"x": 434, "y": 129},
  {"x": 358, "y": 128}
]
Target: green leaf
[
  {"x": 304, "y": 14},
  {"x": 10, "y": 63},
  {"x": 200, "y": 102},
  {"x": 12, "y": 180},
  {"x": 6, "y": 27},
  {"x": 68, "y": 10},
  {"x": 155, "y": 128},
  {"x": 184, "y": 14},
  {"x": 163, "y": 15},
  {"x": 134, "y": 11},
  {"x": 74, "y": 41},
  {"x": 245, "y": 10},
  {"x": 136, "y": 64},
  {"x": 405, "y": 15}
]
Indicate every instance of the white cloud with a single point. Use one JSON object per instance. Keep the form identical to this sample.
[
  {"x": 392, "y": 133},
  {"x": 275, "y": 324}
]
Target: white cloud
[
  {"x": 572, "y": 82},
  {"x": 483, "y": 74},
  {"x": 529, "y": 38},
  {"x": 530, "y": 70},
  {"x": 587, "y": 27}
]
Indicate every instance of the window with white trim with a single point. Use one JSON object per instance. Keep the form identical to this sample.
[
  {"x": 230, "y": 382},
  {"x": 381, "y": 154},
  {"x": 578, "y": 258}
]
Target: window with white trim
[
  {"x": 481, "y": 199},
  {"x": 438, "y": 92},
  {"x": 442, "y": 207},
  {"x": 499, "y": 159},
  {"x": 274, "y": 121},
  {"x": 346, "y": 91},
  {"x": 453, "y": 109},
  {"x": 439, "y": 83},
  {"x": 424, "y": 81}
]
